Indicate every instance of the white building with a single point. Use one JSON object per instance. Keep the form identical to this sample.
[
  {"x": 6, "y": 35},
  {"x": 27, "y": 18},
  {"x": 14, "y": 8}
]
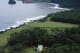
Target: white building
[{"x": 39, "y": 48}]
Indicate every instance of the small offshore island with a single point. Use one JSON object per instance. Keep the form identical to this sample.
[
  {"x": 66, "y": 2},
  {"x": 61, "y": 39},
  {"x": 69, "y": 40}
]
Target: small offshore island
[{"x": 58, "y": 33}]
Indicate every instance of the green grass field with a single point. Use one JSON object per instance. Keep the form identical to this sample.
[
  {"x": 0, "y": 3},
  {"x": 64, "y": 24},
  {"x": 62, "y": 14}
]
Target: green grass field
[{"x": 51, "y": 24}]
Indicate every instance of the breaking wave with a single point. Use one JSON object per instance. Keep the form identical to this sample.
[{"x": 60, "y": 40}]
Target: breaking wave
[
  {"x": 57, "y": 6},
  {"x": 21, "y": 22}
]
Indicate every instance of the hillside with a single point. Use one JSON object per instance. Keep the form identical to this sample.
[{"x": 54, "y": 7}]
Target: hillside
[{"x": 57, "y": 36}]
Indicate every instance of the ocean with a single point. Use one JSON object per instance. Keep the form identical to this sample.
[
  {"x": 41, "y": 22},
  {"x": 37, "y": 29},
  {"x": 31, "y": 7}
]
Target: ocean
[{"x": 16, "y": 12}]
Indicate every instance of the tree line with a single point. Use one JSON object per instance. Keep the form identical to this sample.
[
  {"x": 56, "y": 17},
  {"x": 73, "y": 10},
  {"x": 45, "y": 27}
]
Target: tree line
[{"x": 72, "y": 16}]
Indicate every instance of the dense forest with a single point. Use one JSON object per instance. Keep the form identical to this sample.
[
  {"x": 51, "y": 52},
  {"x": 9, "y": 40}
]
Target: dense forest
[
  {"x": 57, "y": 40},
  {"x": 73, "y": 16}
]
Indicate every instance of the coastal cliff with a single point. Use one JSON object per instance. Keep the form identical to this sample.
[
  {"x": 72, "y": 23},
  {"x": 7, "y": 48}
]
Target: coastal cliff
[{"x": 68, "y": 3}]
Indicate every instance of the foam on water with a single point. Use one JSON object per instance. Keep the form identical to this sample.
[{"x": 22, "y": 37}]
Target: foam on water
[
  {"x": 21, "y": 22},
  {"x": 27, "y": 20},
  {"x": 57, "y": 6}
]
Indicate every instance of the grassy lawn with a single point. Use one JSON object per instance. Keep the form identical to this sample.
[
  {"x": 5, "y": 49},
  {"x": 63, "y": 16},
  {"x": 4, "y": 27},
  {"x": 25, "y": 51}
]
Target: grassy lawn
[
  {"x": 29, "y": 50},
  {"x": 47, "y": 24},
  {"x": 52, "y": 24}
]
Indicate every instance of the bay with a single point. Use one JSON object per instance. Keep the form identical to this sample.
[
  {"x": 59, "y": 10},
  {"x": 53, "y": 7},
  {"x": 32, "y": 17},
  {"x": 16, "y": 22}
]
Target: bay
[{"x": 13, "y": 14}]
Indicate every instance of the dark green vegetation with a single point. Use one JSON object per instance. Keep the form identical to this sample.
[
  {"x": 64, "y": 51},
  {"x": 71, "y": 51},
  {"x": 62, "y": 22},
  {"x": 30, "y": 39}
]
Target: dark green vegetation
[
  {"x": 68, "y": 3},
  {"x": 72, "y": 16},
  {"x": 67, "y": 39},
  {"x": 58, "y": 35}
]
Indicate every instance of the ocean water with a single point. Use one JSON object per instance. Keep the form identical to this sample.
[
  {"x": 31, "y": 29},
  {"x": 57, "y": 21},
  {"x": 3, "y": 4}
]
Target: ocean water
[{"x": 18, "y": 12}]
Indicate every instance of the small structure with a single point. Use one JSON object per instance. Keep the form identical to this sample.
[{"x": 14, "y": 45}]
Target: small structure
[{"x": 39, "y": 48}]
